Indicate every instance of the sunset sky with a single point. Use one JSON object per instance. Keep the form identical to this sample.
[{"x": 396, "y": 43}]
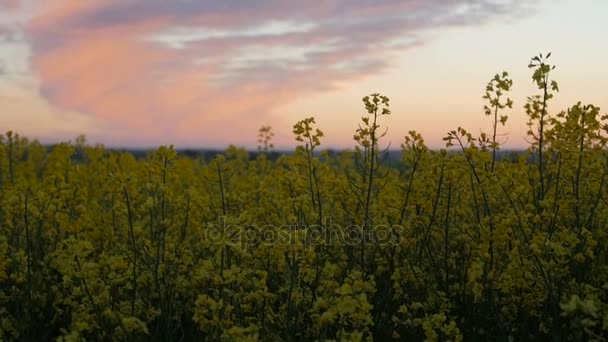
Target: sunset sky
[{"x": 205, "y": 74}]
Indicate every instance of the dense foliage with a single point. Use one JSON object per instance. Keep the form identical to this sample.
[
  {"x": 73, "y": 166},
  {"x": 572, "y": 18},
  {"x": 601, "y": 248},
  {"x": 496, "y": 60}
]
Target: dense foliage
[{"x": 448, "y": 245}]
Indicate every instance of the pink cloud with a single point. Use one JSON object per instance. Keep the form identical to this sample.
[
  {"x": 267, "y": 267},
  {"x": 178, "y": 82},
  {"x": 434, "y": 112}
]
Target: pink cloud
[
  {"x": 10, "y": 4},
  {"x": 199, "y": 72}
]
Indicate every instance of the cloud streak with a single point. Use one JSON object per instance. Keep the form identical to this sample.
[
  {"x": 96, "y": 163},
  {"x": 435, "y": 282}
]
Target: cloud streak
[{"x": 199, "y": 72}]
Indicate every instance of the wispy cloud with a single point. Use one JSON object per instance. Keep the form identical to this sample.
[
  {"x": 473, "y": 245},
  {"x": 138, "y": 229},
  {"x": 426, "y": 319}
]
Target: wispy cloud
[{"x": 198, "y": 71}]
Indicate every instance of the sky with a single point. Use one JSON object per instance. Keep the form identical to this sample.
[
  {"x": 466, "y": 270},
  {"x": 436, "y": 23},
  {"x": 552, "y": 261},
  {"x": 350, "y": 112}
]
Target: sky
[{"x": 206, "y": 74}]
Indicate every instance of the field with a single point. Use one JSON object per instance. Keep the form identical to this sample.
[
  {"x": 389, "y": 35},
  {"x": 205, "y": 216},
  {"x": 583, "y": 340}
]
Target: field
[{"x": 442, "y": 245}]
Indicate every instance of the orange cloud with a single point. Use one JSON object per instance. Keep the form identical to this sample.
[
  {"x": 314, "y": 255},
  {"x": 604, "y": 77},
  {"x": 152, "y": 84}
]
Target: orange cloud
[{"x": 213, "y": 71}]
